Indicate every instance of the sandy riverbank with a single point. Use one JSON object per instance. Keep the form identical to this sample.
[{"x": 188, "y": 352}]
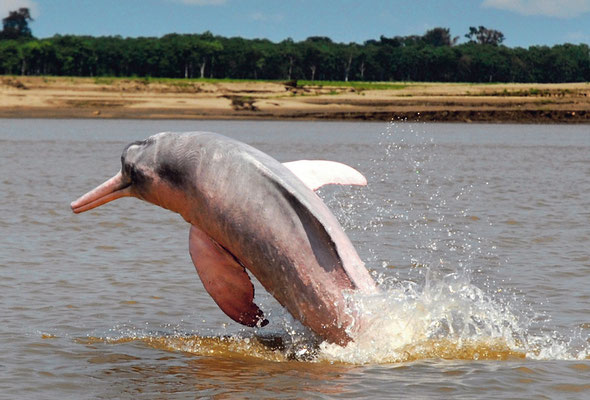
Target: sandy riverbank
[{"x": 52, "y": 97}]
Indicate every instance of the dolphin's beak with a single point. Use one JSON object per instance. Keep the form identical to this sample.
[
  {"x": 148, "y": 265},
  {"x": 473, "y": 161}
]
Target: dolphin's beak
[{"x": 110, "y": 190}]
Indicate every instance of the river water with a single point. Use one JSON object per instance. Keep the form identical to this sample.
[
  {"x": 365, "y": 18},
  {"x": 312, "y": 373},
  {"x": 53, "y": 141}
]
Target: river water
[{"x": 478, "y": 234}]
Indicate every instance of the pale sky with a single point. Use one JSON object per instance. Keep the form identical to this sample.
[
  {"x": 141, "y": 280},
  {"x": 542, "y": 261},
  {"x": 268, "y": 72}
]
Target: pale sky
[{"x": 523, "y": 22}]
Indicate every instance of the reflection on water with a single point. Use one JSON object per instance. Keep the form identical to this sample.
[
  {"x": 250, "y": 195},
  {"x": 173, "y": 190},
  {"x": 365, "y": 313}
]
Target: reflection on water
[
  {"x": 478, "y": 235},
  {"x": 231, "y": 376},
  {"x": 274, "y": 349}
]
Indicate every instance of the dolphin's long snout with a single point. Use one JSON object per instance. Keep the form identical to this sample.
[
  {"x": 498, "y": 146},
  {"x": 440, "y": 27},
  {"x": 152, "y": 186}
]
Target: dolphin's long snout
[{"x": 112, "y": 189}]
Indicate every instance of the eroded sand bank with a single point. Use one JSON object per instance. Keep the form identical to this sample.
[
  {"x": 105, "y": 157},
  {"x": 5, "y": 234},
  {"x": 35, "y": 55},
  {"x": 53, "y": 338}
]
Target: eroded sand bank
[{"x": 63, "y": 97}]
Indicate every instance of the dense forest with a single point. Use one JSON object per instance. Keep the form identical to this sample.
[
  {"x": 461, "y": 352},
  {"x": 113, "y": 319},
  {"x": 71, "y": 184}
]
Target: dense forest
[{"x": 434, "y": 56}]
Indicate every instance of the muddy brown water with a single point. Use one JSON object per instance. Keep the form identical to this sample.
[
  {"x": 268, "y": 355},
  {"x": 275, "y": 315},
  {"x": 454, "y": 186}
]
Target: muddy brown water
[{"x": 478, "y": 234}]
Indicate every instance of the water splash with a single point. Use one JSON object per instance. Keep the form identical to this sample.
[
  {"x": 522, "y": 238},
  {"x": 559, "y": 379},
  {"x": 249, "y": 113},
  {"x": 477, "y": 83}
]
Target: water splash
[
  {"x": 449, "y": 319},
  {"x": 443, "y": 295}
]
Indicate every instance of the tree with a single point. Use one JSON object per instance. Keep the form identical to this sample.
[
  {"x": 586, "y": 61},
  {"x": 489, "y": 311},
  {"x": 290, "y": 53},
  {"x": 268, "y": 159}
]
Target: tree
[
  {"x": 76, "y": 55},
  {"x": 9, "y": 56},
  {"x": 482, "y": 35},
  {"x": 346, "y": 54},
  {"x": 208, "y": 47},
  {"x": 35, "y": 56},
  {"x": 290, "y": 51},
  {"x": 433, "y": 56},
  {"x": 16, "y": 25},
  {"x": 439, "y": 37},
  {"x": 316, "y": 52}
]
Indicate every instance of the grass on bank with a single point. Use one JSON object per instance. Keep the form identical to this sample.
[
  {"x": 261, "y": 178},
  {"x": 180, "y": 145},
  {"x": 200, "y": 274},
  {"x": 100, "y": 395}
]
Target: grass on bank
[
  {"x": 313, "y": 88},
  {"x": 359, "y": 85}
]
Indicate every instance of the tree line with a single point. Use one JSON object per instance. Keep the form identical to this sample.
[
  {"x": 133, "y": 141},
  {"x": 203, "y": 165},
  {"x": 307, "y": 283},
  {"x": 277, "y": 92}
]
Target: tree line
[{"x": 434, "y": 56}]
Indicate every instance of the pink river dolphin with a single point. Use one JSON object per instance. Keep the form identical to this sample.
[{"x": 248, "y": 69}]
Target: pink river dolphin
[{"x": 248, "y": 211}]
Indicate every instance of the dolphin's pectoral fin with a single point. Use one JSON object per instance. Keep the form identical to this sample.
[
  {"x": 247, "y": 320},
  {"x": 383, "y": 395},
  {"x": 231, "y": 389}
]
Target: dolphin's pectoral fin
[
  {"x": 224, "y": 279},
  {"x": 317, "y": 173}
]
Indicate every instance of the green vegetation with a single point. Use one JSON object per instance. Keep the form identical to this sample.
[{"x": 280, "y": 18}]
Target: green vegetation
[
  {"x": 16, "y": 25},
  {"x": 188, "y": 82},
  {"x": 355, "y": 85},
  {"x": 433, "y": 57}
]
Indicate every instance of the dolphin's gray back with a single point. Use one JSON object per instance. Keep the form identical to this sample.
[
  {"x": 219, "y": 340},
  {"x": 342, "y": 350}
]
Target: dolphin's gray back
[{"x": 259, "y": 182}]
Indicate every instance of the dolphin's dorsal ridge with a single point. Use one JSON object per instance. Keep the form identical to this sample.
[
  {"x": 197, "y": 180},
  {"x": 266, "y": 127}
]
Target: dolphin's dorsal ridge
[
  {"x": 225, "y": 279},
  {"x": 317, "y": 173}
]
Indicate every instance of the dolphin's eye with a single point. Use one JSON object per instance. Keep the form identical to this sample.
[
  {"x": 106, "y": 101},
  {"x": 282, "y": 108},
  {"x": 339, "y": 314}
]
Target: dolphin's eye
[
  {"x": 138, "y": 177},
  {"x": 127, "y": 168},
  {"x": 133, "y": 174},
  {"x": 130, "y": 171}
]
